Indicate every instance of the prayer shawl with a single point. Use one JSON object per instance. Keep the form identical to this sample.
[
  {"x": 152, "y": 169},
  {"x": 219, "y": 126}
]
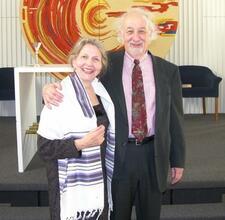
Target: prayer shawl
[{"x": 80, "y": 179}]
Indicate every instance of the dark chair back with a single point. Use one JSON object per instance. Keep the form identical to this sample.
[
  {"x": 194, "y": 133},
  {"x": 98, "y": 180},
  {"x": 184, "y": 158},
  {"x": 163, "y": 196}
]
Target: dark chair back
[
  {"x": 204, "y": 83},
  {"x": 7, "y": 90},
  {"x": 200, "y": 82}
]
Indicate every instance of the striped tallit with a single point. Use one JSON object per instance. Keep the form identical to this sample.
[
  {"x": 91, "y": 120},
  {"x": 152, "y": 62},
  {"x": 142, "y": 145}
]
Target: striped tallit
[{"x": 80, "y": 179}]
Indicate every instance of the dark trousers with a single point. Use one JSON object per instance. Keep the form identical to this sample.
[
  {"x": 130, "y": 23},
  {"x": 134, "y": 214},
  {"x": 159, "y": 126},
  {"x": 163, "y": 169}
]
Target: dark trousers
[{"x": 136, "y": 184}]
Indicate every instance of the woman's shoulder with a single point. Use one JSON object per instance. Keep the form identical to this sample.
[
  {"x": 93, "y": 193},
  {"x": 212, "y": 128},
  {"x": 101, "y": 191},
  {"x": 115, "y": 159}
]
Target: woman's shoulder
[
  {"x": 67, "y": 85},
  {"x": 65, "y": 81}
]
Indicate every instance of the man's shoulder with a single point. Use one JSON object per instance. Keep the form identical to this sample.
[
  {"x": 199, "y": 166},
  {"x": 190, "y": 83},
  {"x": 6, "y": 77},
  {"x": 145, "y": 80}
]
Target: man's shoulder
[
  {"x": 115, "y": 63},
  {"x": 164, "y": 62},
  {"x": 112, "y": 55}
]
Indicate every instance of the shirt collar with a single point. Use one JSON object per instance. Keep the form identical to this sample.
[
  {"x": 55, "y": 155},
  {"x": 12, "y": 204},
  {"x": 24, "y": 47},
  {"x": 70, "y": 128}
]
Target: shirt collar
[{"x": 130, "y": 60}]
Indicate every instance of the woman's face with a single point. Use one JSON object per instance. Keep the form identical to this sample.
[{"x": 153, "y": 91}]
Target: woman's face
[{"x": 88, "y": 63}]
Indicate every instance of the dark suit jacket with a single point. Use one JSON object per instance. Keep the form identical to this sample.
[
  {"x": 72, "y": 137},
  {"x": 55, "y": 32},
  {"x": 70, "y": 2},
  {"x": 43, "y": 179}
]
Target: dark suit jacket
[{"x": 169, "y": 145}]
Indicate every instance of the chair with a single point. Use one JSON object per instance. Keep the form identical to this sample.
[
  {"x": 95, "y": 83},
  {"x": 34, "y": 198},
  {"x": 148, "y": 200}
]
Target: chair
[
  {"x": 7, "y": 91},
  {"x": 200, "y": 81}
]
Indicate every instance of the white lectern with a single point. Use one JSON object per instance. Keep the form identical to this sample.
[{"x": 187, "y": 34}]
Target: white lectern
[{"x": 26, "y": 110}]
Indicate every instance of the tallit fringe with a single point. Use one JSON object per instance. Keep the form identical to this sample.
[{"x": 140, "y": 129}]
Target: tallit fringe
[{"x": 85, "y": 216}]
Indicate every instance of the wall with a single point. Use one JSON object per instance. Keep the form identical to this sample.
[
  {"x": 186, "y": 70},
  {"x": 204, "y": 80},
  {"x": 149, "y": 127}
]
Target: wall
[{"x": 200, "y": 40}]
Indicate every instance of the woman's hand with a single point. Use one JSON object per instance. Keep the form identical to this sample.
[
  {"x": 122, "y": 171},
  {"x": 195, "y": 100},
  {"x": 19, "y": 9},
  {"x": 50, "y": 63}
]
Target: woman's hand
[{"x": 94, "y": 138}]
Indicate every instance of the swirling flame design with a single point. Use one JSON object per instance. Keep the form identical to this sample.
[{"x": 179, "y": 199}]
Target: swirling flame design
[{"x": 58, "y": 24}]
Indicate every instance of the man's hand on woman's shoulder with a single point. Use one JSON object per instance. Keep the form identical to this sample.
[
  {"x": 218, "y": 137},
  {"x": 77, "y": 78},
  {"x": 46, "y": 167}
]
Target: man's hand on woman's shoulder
[{"x": 52, "y": 95}]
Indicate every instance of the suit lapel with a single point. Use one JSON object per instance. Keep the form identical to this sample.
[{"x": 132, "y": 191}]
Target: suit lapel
[
  {"x": 161, "y": 91},
  {"x": 119, "y": 96},
  {"x": 156, "y": 75}
]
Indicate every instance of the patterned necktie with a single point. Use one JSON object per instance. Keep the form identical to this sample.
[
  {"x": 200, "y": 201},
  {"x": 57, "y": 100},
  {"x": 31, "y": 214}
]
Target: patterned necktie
[{"x": 139, "y": 118}]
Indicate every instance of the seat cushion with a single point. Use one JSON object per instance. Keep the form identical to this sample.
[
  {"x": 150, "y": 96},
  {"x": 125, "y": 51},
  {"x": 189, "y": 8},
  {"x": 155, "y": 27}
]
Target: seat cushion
[{"x": 200, "y": 92}]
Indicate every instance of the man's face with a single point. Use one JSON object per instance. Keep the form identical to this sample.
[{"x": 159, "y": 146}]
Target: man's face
[{"x": 135, "y": 35}]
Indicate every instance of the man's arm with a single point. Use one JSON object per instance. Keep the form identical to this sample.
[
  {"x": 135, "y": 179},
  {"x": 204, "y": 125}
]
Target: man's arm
[
  {"x": 52, "y": 95},
  {"x": 177, "y": 154}
]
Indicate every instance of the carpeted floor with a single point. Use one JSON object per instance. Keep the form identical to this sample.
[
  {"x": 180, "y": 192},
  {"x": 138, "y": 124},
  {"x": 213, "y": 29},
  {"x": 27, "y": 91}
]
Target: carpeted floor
[
  {"x": 33, "y": 179},
  {"x": 205, "y": 152},
  {"x": 205, "y": 156},
  {"x": 203, "y": 182}
]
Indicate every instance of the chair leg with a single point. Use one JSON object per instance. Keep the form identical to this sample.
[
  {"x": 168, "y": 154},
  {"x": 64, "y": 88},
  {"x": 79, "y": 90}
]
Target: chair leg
[
  {"x": 216, "y": 108},
  {"x": 203, "y": 105}
]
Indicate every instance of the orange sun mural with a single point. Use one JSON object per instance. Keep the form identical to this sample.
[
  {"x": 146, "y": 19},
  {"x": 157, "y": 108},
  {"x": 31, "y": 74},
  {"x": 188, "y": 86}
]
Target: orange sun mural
[{"x": 58, "y": 24}]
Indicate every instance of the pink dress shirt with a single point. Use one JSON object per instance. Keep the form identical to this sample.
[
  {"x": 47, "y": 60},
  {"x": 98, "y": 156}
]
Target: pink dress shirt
[{"x": 149, "y": 88}]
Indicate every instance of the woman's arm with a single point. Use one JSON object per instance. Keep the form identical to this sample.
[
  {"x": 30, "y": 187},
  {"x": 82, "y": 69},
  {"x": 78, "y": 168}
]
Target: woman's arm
[
  {"x": 56, "y": 149},
  {"x": 69, "y": 148}
]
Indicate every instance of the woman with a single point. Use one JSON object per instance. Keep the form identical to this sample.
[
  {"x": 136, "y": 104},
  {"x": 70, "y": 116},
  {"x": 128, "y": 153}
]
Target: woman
[{"x": 76, "y": 140}]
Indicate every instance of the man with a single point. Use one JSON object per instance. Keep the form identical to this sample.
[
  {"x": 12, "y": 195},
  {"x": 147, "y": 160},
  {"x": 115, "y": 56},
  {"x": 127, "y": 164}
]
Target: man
[{"x": 149, "y": 138}]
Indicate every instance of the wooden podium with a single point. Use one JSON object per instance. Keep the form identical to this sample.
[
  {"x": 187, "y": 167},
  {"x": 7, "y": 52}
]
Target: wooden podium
[{"x": 26, "y": 108}]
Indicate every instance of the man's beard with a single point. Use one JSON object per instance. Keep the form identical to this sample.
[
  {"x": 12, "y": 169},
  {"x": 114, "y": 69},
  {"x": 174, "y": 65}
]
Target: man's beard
[{"x": 136, "y": 51}]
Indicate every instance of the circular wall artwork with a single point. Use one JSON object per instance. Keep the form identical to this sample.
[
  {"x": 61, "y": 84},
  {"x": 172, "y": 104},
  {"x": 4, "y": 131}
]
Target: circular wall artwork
[{"x": 58, "y": 24}]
